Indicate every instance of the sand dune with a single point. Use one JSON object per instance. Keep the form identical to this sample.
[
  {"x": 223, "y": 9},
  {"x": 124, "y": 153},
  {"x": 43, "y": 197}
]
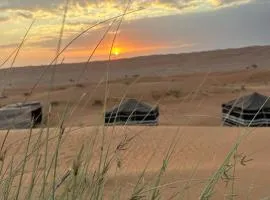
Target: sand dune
[
  {"x": 157, "y": 65},
  {"x": 197, "y": 154}
]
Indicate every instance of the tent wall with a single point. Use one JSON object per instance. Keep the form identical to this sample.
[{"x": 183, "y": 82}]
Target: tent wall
[
  {"x": 235, "y": 117},
  {"x": 234, "y": 121},
  {"x": 130, "y": 112},
  {"x": 18, "y": 116},
  {"x": 12, "y": 118},
  {"x": 125, "y": 118}
]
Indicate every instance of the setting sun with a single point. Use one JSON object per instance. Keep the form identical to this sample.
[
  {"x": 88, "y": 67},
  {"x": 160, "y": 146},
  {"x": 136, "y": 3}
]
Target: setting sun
[{"x": 116, "y": 51}]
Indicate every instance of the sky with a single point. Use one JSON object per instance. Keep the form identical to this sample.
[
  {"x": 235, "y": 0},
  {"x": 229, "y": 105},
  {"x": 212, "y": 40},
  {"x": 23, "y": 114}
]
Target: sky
[{"x": 148, "y": 27}]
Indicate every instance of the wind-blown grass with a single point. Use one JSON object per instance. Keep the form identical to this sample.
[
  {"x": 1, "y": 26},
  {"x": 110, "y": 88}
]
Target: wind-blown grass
[{"x": 85, "y": 179}]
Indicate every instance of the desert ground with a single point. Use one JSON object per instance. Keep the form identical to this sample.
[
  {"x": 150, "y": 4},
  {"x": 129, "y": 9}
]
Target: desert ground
[
  {"x": 189, "y": 90},
  {"x": 198, "y": 153}
]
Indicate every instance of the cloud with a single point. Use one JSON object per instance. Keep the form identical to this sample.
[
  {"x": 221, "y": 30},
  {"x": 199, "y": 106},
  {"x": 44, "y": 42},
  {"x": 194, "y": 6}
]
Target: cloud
[
  {"x": 91, "y": 11},
  {"x": 98, "y": 4},
  {"x": 25, "y": 14},
  {"x": 226, "y": 3},
  {"x": 7, "y": 46},
  {"x": 4, "y": 19},
  {"x": 84, "y": 13},
  {"x": 215, "y": 2}
]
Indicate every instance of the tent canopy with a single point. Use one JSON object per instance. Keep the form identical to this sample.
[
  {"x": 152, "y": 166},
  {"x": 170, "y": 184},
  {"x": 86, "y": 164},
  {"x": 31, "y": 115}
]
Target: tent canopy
[
  {"x": 249, "y": 110},
  {"x": 132, "y": 105},
  {"x": 252, "y": 102},
  {"x": 132, "y": 111}
]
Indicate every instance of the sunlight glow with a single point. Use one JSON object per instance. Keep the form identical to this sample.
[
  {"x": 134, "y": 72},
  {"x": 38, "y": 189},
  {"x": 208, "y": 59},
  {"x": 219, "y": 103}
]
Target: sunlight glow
[{"x": 116, "y": 51}]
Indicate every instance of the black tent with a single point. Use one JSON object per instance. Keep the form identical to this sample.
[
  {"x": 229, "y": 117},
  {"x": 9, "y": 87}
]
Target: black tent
[
  {"x": 249, "y": 110},
  {"x": 20, "y": 115},
  {"x": 132, "y": 111}
]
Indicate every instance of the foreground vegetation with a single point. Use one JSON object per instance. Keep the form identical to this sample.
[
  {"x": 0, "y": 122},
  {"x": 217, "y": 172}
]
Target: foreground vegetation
[{"x": 36, "y": 174}]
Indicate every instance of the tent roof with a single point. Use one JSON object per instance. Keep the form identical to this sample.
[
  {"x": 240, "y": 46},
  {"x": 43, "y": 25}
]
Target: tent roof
[
  {"x": 254, "y": 101},
  {"x": 32, "y": 104},
  {"x": 132, "y": 105}
]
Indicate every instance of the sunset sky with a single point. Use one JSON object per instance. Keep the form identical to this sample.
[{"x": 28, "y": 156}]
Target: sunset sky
[{"x": 161, "y": 27}]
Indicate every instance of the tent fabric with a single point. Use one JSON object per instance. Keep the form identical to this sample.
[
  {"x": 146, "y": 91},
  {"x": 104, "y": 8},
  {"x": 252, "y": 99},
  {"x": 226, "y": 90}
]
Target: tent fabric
[
  {"x": 21, "y": 115},
  {"x": 249, "y": 110},
  {"x": 131, "y": 112},
  {"x": 252, "y": 102}
]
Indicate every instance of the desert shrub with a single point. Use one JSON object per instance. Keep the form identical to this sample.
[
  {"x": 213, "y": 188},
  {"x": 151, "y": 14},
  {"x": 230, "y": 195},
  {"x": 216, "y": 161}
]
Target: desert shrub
[
  {"x": 97, "y": 103},
  {"x": 173, "y": 92},
  {"x": 55, "y": 103},
  {"x": 254, "y": 66},
  {"x": 61, "y": 88},
  {"x": 26, "y": 94},
  {"x": 136, "y": 76},
  {"x": 243, "y": 88},
  {"x": 79, "y": 85}
]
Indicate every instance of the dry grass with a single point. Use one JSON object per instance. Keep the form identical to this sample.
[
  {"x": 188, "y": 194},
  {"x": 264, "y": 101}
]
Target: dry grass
[{"x": 36, "y": 175}]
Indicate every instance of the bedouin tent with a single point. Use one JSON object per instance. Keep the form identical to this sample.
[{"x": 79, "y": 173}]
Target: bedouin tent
[
  {"x": 249, "y": 110},
  {"x": 20, "y": 115},
  {"x": 132, "y": 111}
]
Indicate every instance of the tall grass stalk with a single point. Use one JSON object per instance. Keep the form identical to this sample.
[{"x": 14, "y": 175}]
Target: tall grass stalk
[
  {"x": 81, "y": 181},
  {"x": 23, "y": 165}
]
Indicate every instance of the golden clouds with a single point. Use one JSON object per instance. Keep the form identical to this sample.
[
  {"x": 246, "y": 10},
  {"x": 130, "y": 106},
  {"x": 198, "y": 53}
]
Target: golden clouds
[
  {"x": 16, "y": 16},
  {"x": 215, "y": 2}
]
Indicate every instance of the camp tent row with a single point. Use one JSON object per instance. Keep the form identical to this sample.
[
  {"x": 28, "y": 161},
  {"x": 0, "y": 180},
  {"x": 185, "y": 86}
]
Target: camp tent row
[
  {"x": 20, "y": 115},
  {"x": 250, "y": 110},
  {"x": 131, "y": 112}
]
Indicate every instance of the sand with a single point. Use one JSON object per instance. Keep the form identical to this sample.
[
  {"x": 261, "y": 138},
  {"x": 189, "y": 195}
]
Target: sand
[
  {"x": 198, "y": 153},
  {"x": 189, "y": 89},
  {"x": 193, "y": 99}
]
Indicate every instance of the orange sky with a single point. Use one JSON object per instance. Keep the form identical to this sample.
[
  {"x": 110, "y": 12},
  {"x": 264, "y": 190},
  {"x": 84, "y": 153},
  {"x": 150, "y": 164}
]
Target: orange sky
[{"x": 163, "y": 26}]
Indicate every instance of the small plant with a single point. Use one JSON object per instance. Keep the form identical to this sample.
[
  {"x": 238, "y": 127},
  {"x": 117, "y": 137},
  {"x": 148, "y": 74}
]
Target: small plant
[
  {"x": 26, "y": 94},
  {"x": 97, "y": 103},
  {"x": 254, "y": 66},
  {"x": 55, "y": 103},
  {"x": 174, "y": 93},
  {"x": 79, "y": 85}
]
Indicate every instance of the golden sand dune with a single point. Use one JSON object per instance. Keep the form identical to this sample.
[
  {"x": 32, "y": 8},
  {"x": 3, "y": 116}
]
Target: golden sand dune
[{"x": 198, "y": 153}]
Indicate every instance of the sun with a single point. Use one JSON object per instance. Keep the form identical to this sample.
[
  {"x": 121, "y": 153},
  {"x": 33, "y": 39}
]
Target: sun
[{"x": 116, "y": 51}]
